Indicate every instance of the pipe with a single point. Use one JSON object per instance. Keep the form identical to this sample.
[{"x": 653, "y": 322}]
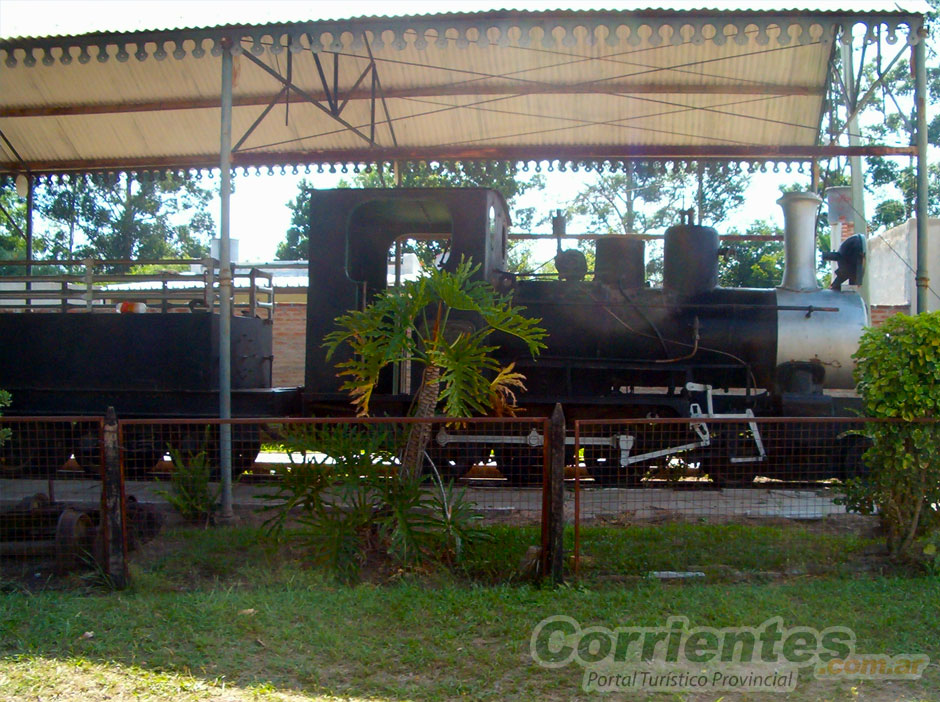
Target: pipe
[
  {"x": 799, "y": 241},
  {"x": 225, "y": 285},
  {"x": 920, "y": 97}
]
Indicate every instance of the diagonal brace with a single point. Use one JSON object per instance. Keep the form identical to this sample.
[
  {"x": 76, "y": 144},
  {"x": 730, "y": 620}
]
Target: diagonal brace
[
  {"x": 306, "y": 96},
  {"x": 260, "y": 118},
  {"x": 866, "y": 98}
]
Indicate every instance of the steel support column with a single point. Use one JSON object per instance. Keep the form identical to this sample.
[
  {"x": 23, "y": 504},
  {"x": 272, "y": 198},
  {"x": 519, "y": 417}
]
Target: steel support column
[
  {"x": 30, "y": 185},
  {"x": 920, "y": 98},
  {"x": 855, "y": 162},
  {"x": 225, "y": 284}
]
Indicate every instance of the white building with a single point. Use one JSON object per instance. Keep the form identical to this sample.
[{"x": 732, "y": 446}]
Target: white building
[{"x": 892, "y": 263}]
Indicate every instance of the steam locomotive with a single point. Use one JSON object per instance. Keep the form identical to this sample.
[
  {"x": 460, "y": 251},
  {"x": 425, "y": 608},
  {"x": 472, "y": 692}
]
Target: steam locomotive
[{"x": 616, "y": 348}]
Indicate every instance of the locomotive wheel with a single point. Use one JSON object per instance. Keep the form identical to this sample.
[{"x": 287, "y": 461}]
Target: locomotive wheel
[
  {"x": 726, "y": 444},
  {"x": 616, "y": 476},
  {"x": 604, "y": 466},
  {"x": 851, "y": 461},
  {"x": 143, "y": 446},
  {"x": 731, "y": 475},
  {"x": 87, "y": 449},
  {"x": 520, "y": 465},
  {"x": 74, "y": 540},
  {"x": 246, "y": 443},
  {"x": 37, "y": 450},
  {"x": 451, "y": 463}
]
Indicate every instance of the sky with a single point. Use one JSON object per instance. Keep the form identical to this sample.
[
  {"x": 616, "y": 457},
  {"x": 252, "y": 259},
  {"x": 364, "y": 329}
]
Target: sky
[{"x": 260, "y": 216}]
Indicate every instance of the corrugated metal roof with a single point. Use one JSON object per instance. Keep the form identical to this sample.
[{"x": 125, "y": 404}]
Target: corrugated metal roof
[
  {"x": 348, "y": 11},
  {"x": 481, "y": 85}
]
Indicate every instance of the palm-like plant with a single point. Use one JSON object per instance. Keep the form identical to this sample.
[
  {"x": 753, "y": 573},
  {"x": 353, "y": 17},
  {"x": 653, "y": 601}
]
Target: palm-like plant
[{"x": 413, "y": 322}]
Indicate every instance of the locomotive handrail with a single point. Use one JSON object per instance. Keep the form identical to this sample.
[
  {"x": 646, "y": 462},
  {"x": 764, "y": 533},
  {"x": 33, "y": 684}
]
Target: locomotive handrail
[{"x": 82, "y": 262}]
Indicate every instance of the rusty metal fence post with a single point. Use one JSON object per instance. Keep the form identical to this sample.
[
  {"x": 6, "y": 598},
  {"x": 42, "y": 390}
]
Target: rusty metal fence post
[
  {"x": 112, "y": 520},
  {"x": 553, "y": 498},
  {"x": 556, "y": 539}
]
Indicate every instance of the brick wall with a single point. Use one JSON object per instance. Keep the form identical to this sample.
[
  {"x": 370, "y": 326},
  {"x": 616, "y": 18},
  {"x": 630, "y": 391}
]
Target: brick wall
[
  {"x": 290, "y": 337},
  {"x": 879, "y": 313}
]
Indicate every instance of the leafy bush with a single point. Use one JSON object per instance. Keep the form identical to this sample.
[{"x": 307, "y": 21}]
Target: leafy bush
[
  {"x": 191, "y": 493},
  {"x": 4, "y": 402},
  {"x": 931, "y": 553},
  {"x": 344, "y": 488},
  {"x": 898, "y": 377}
]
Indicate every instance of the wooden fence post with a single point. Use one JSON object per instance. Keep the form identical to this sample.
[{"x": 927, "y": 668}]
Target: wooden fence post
[{"x": 112, "y": 520}]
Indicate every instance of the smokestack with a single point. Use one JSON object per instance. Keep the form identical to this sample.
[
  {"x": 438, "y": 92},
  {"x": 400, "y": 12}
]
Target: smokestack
[{"x": 799, "y": 241}]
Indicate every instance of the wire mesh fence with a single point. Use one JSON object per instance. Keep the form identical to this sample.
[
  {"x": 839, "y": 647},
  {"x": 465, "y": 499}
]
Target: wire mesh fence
[
  {"x": 378, "y": 488},
  {"x": 771, "y": 471},
  {"x": 37, "y": 448},
  {"x": 480, "y": 456},
  {"x": 47, "y": 531},
  {"x": 56, "y": 491}
]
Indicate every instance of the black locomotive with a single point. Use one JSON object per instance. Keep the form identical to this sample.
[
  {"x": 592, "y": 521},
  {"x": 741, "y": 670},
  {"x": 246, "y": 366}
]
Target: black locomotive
[{"x": 617, "y": 347}]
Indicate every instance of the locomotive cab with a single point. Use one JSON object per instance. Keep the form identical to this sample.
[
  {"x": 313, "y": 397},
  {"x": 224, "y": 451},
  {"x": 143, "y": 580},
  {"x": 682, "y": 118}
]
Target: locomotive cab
[{"x": 350, "y": 238}]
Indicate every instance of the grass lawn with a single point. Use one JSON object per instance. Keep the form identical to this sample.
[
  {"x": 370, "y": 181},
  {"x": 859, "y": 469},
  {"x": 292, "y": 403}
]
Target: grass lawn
[{"x": 239, "y": 619}]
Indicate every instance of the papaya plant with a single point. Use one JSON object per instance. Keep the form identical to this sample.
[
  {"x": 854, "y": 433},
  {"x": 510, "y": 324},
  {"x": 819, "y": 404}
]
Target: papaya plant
[
  {"x": 416, "y": 321},
  {"x": 898, "y": 376}
]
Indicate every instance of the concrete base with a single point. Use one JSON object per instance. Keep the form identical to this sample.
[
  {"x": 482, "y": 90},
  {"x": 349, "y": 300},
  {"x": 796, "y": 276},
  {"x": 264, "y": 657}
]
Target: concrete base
[{"x": 640, "y": 504}]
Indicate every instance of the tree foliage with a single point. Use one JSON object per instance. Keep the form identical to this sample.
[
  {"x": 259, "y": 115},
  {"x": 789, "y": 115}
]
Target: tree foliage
[
  {"x": 13, "y": 234},
  {"x": 890, "y": 117},
  {"x": 752, "y": 264},
  {"x": 898, "y": 375},
  {"x": 12, "y": 222},
  {"x": 896, "y": 177},
  {"x": 128, "y": 219},
  {"x": 295, "y": 246},
  {"x": 647, "y": 197},
  {"x": 502, "y": 176}
]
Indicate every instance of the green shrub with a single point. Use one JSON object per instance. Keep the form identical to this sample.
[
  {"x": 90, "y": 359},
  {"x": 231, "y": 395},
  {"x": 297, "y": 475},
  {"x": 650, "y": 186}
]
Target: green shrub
[
  {"x": 4, "y": 402},
  {"x": 898, "y": 377},
  {"x": 191, "y": 493},
  {"x": 930, "y": 553},
  {"x": 344, "y": 488}
]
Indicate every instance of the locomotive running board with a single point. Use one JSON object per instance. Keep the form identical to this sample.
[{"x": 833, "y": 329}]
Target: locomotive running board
[{"x": 534, "y": 439}]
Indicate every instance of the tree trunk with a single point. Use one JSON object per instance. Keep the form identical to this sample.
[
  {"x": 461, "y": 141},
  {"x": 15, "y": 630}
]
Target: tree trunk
[
  {"x": 412, "y": 459},
  {"x": 630, "y": 194}
]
